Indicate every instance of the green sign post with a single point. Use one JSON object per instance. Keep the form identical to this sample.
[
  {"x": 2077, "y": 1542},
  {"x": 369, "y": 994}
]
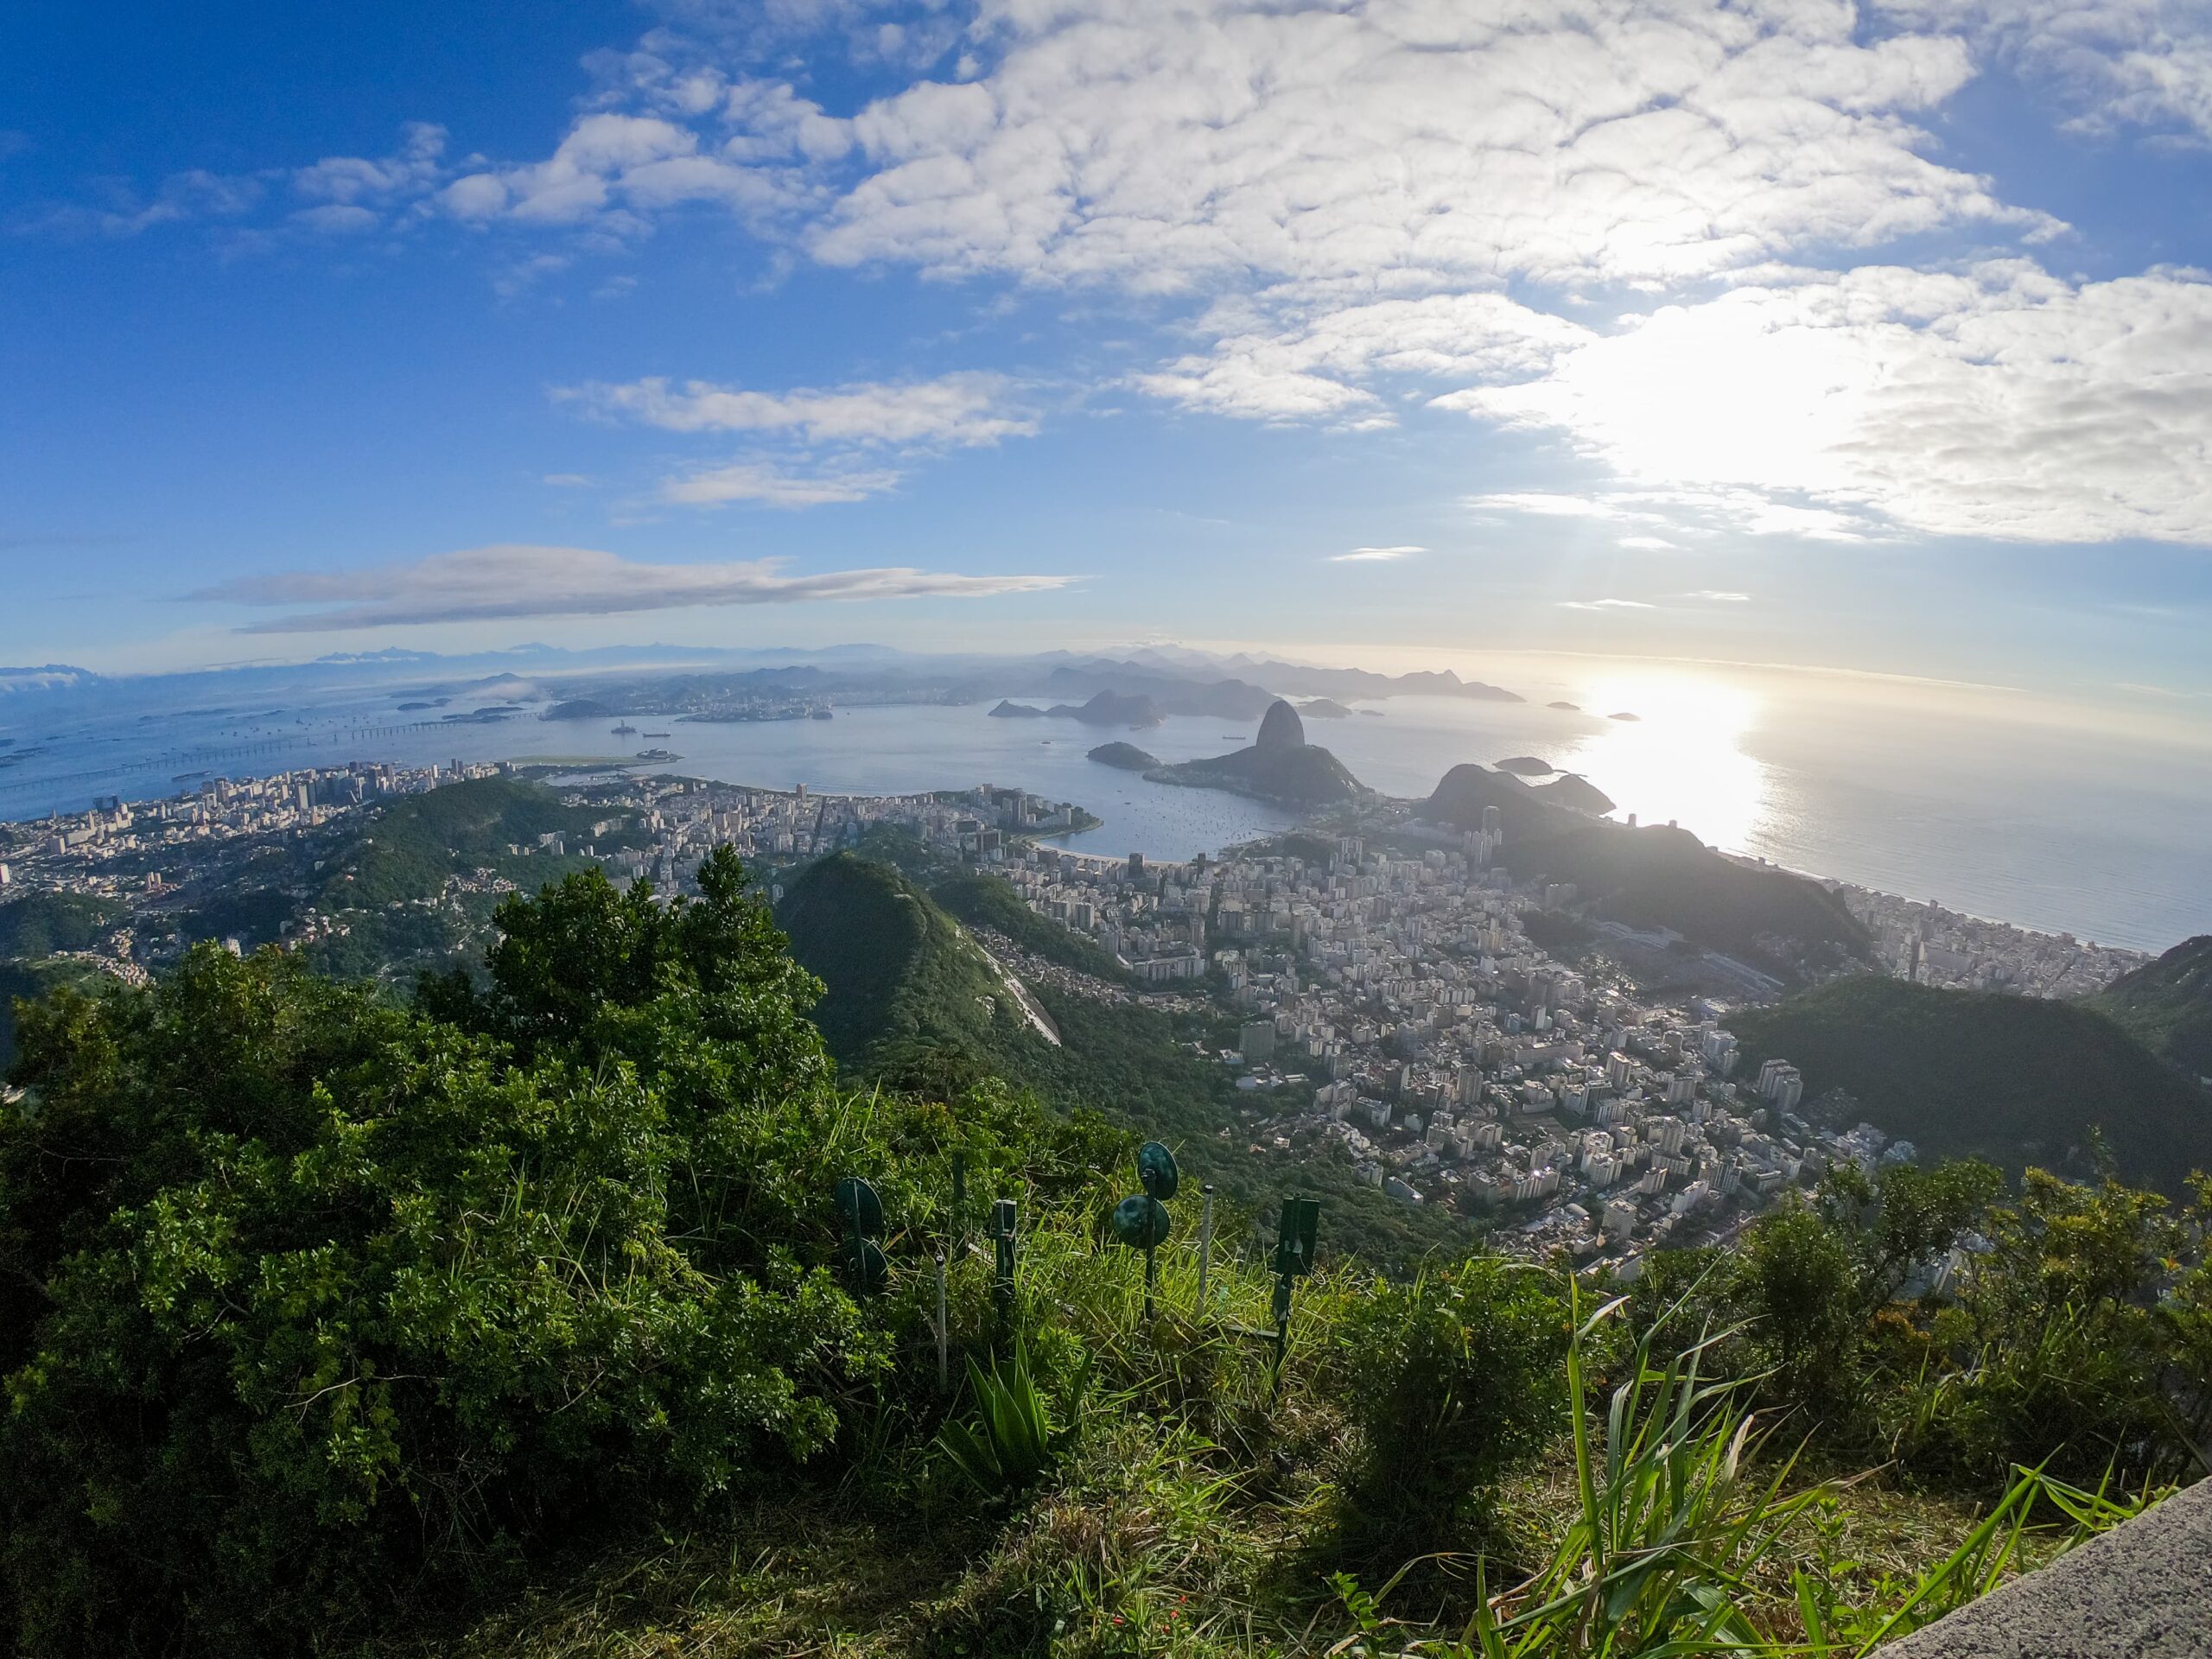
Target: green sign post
[
  {"x": 1142, "y": 1221},
  {"x": 862, "y": 1214},
  {"x": 1294, "y": 1241}
]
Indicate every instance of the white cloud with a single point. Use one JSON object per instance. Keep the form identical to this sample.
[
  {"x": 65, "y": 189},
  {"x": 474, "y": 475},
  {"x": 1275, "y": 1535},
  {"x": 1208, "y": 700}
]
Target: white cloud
[
  {"x": 2001, "y": 403},
  {"x": 1647, "y": 543},
  {"x": 193, "y": 195},
  {"x": 614, "y": 172},
  {"x": 1374, "y": 555},
  {"x": 2115, "y": 63},
  {"x": 353, "y": 181},
  {"x": 1605, "y": 605},
  {"x": 1406, "y": 143},
  {"x": 1718, "y": 596},
  {"x": 493, "y": 583},
  {"x": 963, "y": 409},
  {"x": 768, "y": 486},
  {"x": 1275, "y": 358},
  {"x": 1543, "y": 505}
]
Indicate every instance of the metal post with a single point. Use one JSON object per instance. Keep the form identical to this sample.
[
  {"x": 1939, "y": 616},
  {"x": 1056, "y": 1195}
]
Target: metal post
[
  {"x": 943, "y": 1335},
  {"x": 1205, "y": 1244},
  {"x": 1283, "y": 1335},
  {"x": 1003, "y": 1225}
]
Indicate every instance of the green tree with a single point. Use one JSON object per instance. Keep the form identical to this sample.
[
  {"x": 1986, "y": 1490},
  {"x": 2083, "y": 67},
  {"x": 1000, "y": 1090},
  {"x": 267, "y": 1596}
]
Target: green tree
[{"x": 318, "y": 1311}]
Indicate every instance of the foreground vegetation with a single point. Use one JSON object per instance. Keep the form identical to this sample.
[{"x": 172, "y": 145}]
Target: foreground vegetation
[{"x": 520, "y": 1320}]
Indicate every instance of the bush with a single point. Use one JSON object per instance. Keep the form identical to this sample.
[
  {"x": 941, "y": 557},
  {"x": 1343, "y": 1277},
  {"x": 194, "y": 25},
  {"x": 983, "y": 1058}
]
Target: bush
[
  {"x": 314, "y": 1312},
  {"x": 1452, "y": 1380}
]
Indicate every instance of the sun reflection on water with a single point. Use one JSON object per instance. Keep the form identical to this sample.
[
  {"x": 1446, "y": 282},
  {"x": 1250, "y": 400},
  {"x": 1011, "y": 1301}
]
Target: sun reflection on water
[{"x": 1682, "y": 758}]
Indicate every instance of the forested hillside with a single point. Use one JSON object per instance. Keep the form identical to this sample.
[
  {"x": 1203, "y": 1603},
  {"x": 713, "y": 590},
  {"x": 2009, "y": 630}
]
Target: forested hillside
[
  {"x": 2014, "y": 1080},
  {"x": 910, "y": 994},
  {"x": 2167, "y": 1004}
]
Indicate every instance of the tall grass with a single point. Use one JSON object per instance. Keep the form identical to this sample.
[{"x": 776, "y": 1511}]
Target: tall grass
[{"x": 1665, "y": 1552}]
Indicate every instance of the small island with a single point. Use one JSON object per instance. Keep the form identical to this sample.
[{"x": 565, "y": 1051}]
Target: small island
[
  {"x": 1281, "y": 766},
  {"x": 1007, "y": 710},
  {"x": 1324, "y": 709},
  {"x": 1624, "y": 715},
  {"x": 1527, "y": 766},
  {"x": 1126, "y": 756},
  {"x": 1571, "y": 707}
]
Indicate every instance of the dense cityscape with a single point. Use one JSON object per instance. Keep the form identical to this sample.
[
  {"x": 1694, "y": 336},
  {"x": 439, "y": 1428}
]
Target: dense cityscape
[{"x": 1389, "y": 1004}]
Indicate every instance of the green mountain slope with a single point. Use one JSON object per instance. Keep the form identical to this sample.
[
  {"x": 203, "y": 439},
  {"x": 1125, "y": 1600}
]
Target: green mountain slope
[
  {"x": 909, "y": 992},
  {"x": 2167, "y": 1004},
  {"x": 898, "y": 971},
  {"x": 2015, "y": 1080},
  {"x": 39, "y": 924}
]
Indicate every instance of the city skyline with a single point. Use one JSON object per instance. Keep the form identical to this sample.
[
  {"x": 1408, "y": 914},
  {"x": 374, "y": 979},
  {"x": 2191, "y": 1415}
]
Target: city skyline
[{"x": 1874, "y": 340}]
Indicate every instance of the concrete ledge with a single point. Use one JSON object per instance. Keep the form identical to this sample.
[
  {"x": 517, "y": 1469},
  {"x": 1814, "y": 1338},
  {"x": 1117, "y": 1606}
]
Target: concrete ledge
[{"x": 2143, "y": 1590}]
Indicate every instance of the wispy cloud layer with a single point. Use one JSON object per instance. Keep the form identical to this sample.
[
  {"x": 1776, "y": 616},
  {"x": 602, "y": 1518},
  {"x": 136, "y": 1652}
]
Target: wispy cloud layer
[
  {"x": 1656, "y": 230},
  {"x": 506, "y": 581},
  {"x": 767, "y": 485},
  {"x": 1375, "y": 554},
  {"x": 953, "y": 411}
]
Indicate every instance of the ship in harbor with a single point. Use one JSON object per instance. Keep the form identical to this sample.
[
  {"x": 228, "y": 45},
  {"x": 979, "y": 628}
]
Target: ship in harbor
[{"x": 625, "y": 730}]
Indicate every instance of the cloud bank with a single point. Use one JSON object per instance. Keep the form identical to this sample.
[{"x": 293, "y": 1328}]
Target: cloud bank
[
  {"x": 508, "y": 581},
  {"x": 1663, "y": 232}
]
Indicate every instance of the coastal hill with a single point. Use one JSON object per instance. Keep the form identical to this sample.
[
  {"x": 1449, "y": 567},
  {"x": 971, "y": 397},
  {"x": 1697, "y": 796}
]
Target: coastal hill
[
  {"x": 1179, "y": 686},
  {"x": 1126, "y": 756},
  {"x": 1103, "y": 709},
  {"x": 1525, "y": 811},
  {"x": 2016, "y": 1080},
  {"x": 1280, "y": 765},
  {"x": 1571, "y": 789},
  {"x": 2167, "y": 1004},
  {"x": 1652, "y": 877}
]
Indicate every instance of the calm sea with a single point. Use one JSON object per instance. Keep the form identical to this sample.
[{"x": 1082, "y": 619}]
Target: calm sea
[{"x": 2047, "y": 825}]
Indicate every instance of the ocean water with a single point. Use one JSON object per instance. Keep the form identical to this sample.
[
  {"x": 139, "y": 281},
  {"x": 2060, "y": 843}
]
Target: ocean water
[{"x": 1972, "y": 801}]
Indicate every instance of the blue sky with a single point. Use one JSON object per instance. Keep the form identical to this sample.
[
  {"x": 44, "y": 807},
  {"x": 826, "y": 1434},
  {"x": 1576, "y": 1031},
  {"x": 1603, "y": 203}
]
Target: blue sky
[{"x": 1778, "y": 332}]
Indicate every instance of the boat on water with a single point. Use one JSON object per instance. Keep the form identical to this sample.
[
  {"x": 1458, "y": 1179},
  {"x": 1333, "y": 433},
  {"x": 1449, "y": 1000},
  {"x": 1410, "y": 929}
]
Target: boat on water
[
  {"x": 817, "y": 714},
  {"x": 659, "y": 734},
  {"x": 625, "y": 730}
]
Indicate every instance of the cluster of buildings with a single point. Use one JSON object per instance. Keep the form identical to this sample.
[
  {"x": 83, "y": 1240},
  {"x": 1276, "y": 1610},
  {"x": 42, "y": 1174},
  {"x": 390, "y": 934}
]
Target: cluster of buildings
[
  {"x": 117, "y": 847},
  {"x": 673, "y": 823},
  {"x": 1392, "y": 1005},
  {"x": 1388, "y": 1000},
  {"x": 1922, "y": 942}
]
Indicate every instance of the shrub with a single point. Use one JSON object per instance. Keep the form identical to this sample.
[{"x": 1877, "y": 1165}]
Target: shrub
[
  {"x": 1452, "y": 1380},
  {"x": 314, "y": 1310}
]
